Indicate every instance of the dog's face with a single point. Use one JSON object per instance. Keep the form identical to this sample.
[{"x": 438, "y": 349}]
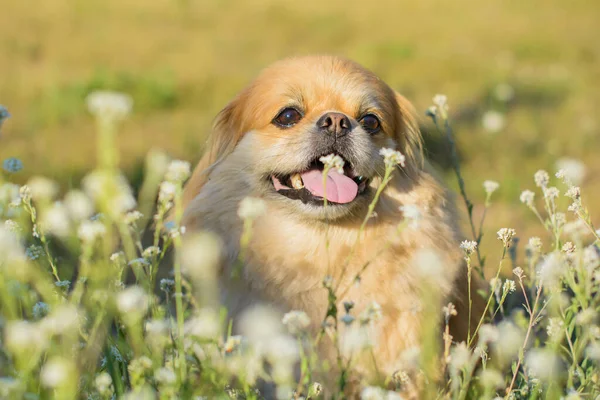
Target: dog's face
[{"x": 299, "y": 110}]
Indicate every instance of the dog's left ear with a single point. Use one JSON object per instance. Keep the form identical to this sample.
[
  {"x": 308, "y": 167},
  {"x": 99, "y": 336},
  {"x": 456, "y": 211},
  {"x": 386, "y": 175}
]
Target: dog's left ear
[
  {"x": 408, "y": 134},
  {"x": 226, "y": 133}
]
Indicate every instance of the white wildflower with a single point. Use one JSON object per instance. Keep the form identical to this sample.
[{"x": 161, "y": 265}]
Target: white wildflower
[
  {"x": 509, "y": 286},
  {"x": 103, "y": 383},
  {"x": 63, "y": 319},
  {"x": 173, "y": 230},
  {"x": 137, "y": 365},
  {"x": 591, "y": 259},
  {"x": 509, "y": 341},
  {"x": 460, "y": 356},
  {"x": 550, "y": 270},
  {"x": 205, "y": 324},
  {"x": 201, "y": 256},
  {"x": 576, "y": 228},
  {"x": 392, "y": 157},
  {"x": 156, "y": 327},
  {"x": 25, "y": 193},
  {"x": 282, "y": 350},
  {"x": 593, "y": 351},
  {"x": 251, "y": 208},
  {"x": 151, "y": 252},
  {"x": 449, "y": 310},
  {"x": 12, "y": 226},
  {"x": 89, "y": 231},
  {"x": 527, "y": 197},
  {"x": 132, "y": 217},
  {"x": 178, "y": 171},
  {"x": 488, "y": 333},
  {"x": 371, "y": 313},
  {"x": 555, "y": 328},
  {"x": 55, "y": 220},
  {"x": 377, "y": 393},
  {"x": 535, "y": 244},
  {"x": 42, "y": 189},
  {"x": 490, "y": 186},
  {"x": 519, "y": 273},
  {"x": 133, "y": 301},
  {"x": 165, "y": 376},
  {"x": 493, "y": 121},
  {"x": 574, "y": 192},
  {"x": 586, "y": 317},
  {"x": 559, "y": 219},
  {"x": 491, "y": 378},
  {"x": 440, "y": 102},
  {"x": 167, "y": 192},
  {"x": 296, "y": 321},
  {"x": 56, "y": 372},
  {"x": 543, "y": 364},
  {"x": 111, "y": 190},
  {"x": 568, "y": 248},
  {"x": 117, "y": 257},
  {"x": 232, "y": 343},
  {"x": 541, "y": 178},
  {"x": 572, "y": 171},
  {"x": 333, "y": 161},
  {"x": 316, "y": 389},
  {"x": 79, "y": 205},
  {"x": 107, "y": 105},
  {"x": 468, "y": 246},
  {"x": 21, "y": 336},
  {"x": 506, "y": 235},
  {"x": 354, "y": 340},
  {"x": 551, "y": 193}
]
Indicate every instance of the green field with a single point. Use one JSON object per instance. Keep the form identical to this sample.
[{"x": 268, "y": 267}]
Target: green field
[{"x": 182, "y": 60}]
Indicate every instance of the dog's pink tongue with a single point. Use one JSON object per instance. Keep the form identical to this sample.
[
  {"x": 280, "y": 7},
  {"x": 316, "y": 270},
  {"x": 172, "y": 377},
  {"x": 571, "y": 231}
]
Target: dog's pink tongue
[{"x": 340, "y": 188}]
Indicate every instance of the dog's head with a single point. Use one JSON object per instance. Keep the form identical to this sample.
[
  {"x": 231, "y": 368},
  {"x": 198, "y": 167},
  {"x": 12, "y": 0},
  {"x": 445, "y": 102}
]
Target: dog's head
[{"x": 301, "y": 109}]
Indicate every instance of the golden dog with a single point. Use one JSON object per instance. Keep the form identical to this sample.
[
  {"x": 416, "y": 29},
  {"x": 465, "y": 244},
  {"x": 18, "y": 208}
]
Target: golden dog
[{"x": 267, "y": 144}]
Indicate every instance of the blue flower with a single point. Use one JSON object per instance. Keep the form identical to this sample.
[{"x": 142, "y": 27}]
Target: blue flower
[
  {"x": 4, "y": 114},
  {"x": 12, "y": 165}
]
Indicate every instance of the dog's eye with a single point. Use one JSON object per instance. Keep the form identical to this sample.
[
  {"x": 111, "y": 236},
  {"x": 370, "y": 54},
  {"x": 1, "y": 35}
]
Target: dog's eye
[
  {"x": 287, "y": 117},
  {"x": 370, "y": 123}
]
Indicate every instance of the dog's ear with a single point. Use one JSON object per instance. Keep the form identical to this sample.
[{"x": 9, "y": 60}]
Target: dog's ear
[
  {"x": 408, "y": 134},
  {"x": 226, "y": 133}
]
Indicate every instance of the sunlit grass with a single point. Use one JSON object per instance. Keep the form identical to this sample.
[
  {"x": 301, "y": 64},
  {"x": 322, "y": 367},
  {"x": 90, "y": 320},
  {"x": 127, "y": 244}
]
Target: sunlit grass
[{"x": 88, "y": 334}]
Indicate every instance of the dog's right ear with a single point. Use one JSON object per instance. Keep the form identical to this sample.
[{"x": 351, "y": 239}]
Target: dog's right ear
[{"x": 226, "y": 133}]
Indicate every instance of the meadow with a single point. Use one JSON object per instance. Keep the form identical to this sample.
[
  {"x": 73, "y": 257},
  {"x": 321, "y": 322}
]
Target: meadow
[{"x": 80, "y": 178}]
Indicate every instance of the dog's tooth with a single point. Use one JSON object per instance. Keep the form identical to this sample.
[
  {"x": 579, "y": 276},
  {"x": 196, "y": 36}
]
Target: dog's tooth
[{"x": 296, "y": 180}]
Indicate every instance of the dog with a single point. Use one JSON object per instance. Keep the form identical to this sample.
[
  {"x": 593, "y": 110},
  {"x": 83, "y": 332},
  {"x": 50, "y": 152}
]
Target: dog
[{"x": 267, "y": 143}]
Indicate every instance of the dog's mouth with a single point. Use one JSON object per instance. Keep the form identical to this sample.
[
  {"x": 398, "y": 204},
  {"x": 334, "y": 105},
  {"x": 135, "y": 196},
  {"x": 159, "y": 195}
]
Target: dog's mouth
[{"x": 307, "y": 186}]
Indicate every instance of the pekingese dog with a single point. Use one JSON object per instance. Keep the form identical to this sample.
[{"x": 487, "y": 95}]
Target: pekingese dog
[{"x": 268, "y": 143}]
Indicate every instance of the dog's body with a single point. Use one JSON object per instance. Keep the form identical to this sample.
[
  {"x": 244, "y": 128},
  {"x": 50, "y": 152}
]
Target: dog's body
[{"x": 294, "y": 246}]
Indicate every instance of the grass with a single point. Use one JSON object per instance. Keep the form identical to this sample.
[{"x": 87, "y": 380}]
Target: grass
[
  {"x": 183, "y": 60},
  {"x": 70, "y": 336}
]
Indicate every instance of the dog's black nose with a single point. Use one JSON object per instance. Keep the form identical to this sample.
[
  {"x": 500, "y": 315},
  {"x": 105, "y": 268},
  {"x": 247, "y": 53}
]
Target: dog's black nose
[{"x": 334, "y": 123}]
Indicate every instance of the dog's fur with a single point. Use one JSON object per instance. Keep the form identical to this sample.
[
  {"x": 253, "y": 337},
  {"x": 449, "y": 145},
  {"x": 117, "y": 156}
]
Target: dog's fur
[{"x": 287, "y": 258}]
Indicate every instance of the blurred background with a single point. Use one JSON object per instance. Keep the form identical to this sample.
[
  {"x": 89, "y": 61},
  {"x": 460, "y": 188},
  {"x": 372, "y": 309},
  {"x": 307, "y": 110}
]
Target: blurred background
[{"x": 522, "y": 79}]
